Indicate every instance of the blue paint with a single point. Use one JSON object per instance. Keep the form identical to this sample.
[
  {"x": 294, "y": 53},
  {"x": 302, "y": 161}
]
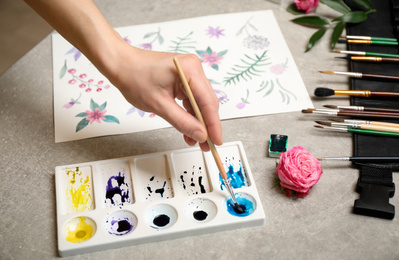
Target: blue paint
[
  {"x": 245, "y": 204},
  {"x": 237, "y": 179}
]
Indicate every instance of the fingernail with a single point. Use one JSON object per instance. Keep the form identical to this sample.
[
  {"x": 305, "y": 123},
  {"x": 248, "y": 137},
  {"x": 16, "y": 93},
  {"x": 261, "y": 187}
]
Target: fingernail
[{"x": 199, "y": 136}]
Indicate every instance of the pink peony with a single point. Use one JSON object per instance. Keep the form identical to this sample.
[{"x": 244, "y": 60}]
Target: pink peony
[
  {"x": 307, "y": 5},
  {"x": 298, "y": 170}
]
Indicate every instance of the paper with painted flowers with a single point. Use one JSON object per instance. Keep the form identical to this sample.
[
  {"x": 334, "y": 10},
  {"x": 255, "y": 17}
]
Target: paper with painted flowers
[{"x": 244, "y": 56}]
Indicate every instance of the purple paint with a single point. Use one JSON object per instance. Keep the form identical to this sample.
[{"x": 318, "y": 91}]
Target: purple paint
[{"x": 117, "y": 190}]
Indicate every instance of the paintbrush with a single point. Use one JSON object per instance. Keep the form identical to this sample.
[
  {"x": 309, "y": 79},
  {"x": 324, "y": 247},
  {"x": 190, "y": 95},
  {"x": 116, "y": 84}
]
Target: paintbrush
[
  {"x": 362, "y": 108},
  {"x": 374, "y": 42},
  {"x": 369, "y": 38},
  {"x": 324, "y": 92},
  {"x": 370, "y": 59},
  {"x": 364, "y": 159},
  {"x": 215, "y": 154},
  {"x": 361, "y": 75},
  {"x": 352, "y": 113},
  {"x": 358, "y": 131},
  {"x": 360, "y": 126},
  {"x": 367, "y": 53},
  {"x": 364, "y": 122}
]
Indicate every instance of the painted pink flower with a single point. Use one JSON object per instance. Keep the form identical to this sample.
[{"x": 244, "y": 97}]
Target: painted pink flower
[
  {"x": 298, "y": 170},
  {"x": 277, "y": 69},
  {"x": 211, "y": 59},
  {"x": 307, "y": 5},
  {"x": 211, "y": 31},
  {"x": 95, "y": 116}
]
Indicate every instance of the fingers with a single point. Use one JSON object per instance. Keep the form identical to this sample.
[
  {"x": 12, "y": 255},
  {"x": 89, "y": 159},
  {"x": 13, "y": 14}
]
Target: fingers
[{"x": 204, "y": 96}]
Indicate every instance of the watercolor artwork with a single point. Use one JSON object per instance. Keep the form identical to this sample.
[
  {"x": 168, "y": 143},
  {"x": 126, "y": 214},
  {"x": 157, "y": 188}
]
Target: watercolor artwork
[{"x": 244, "y": 56}]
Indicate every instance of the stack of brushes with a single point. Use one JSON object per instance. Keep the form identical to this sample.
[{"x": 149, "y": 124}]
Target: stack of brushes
[{"x": 364, "y": 126}]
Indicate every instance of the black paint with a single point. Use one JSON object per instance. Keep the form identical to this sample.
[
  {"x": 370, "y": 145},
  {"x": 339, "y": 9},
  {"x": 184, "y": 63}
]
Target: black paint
[
  {"x": 161, "y": 220},
  {"x": 124, "y": 225},
  {"x": 200, "y": 215},
  {"x": 200, "y": 184},
  {"x": 161, "y": 190}
]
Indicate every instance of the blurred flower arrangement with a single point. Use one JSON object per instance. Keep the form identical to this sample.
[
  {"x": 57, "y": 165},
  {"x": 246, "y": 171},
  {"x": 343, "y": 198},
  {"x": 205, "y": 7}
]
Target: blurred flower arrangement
[
  {"x": 298, "y": 171},
  {"x": 322, "y": 24}
]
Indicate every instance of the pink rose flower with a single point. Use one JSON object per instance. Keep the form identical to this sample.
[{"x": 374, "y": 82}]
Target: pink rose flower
[
  {"x": 307, "y": 5},
  {"x": 298, "y": 170}
]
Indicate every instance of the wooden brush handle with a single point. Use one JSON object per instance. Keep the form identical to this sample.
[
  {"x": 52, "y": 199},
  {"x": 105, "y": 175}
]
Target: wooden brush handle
[
  {"x": 379, "y": 76},
  {"x": 367, "y": 114},
  {"x": 198, "y": 114},
  {"x": 393, "y": 94}
]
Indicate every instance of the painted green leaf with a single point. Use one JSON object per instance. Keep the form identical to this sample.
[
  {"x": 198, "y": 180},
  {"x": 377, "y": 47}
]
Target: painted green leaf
[
  {"x": 215, "y": 66},
  {"x": 149, "y": 34},
  {"x": 337, "y": 5},
  {"x": 363, "y": 3},
  {"x": 311, "y": 20},
  {"x": 93, "y": 105},
  {"x": 83, "y": 114},
  {"x": 338, "y": 29},
  {"x": 352, "y": 17},
  {"x": 200, "y": 53},
  {"x": 221, "y": 53},
  {"x": 103, "y": 106},
  {"x": 111, "y": 119},
  {"x": 82, "y": 124},
  {"x": 160, "y": 39},
  {"x": 209, "y": 51},
  {"x": 294, "y": 10},
  {"x": 315, "y": 37},
  {"x": 63, "y": 70}
]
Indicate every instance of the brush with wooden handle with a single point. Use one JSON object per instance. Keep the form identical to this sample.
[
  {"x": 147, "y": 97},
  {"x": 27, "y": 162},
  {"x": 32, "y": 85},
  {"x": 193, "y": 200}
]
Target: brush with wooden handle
[{"x": 215, "y": 154}]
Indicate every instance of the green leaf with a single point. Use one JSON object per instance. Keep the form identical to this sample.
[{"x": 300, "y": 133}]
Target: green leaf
[
  {"x": 63, "y": 70},
  {"x": 82, "y": 124},
  {"x": 215, "y": 66},
  {"x": 103, "y": 106},
  {"x": 111, "y": 119},
  {"x": 315, "y": 37},
  {"x": 93, "y": 105},
  {"x": 294, "y": 10},
  {"x": 221, "y": 53},
  {"x": 364, "y": 3},
  {"x": 338, "y": 29},
  {"x": 149, "y": 34},
  {"x": 83, "y": 114},
  {"x": 311, "y": 20},
  {"x": 352, "y": 17},
  {"x": 160, "y": 39},
  {"x": 337, "y": 5},
  {"x": 200, "y": 53},
  {"x": 209, "y": 51}
]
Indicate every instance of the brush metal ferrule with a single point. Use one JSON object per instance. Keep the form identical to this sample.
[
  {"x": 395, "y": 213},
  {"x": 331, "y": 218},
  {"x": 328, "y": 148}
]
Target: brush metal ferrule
[
  {"x": 227, "y": 183},
  {"x": 360, "y": 41},
  {"x": 354, "y": 93},
  {"x": 359, "y": 58},
  {"x": 356, "y": 37},
  {"x": 355, "y": 121},
  {"x": 357, "y": 108},
  {"x": 336, "y": 129},
  {"x": 346, "y": 124},
  {"x": 326, "y": 112},
  {"x": 362, "y": 53},
  {"x": 351, "y": 74},
  {"x": 336, "y": 159}
]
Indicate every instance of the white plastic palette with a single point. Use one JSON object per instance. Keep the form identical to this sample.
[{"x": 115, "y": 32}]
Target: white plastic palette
[{"x": 148, "y": 198}]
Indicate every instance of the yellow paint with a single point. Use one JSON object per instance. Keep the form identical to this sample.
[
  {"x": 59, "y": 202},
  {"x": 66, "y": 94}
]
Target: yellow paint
[
  {"x": 79, "y": 232},
  {"x": 78, "y": 192}
]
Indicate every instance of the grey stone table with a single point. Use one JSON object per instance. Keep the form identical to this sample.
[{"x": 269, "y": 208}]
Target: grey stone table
[{"x": 320, "y": 226}]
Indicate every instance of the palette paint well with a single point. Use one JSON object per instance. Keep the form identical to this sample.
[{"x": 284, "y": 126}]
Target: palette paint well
[{"x": 153, "y": 197}]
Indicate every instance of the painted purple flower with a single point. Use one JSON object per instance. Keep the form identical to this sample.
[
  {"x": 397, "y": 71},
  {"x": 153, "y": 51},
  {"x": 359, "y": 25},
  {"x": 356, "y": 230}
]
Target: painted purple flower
[
  {"x": 134, "y": 109},
  {"x": 95, "y": 116},
  {"x": 73, "y": 102},
  {"x": 127, "y": 40},
  {"x": 221, "y": 95},
  {"x": 76, "y": 53},
  {"x": 240, "y": 105},
  {"x": 211, "y": 31},
  {"x": 145, "y": 46},
  {"x": 256, "y": 42}
]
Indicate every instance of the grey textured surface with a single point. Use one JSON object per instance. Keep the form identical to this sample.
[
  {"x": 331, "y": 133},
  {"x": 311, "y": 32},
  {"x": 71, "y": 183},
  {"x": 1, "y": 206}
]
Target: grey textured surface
[{"x": 320, "y": 226}]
